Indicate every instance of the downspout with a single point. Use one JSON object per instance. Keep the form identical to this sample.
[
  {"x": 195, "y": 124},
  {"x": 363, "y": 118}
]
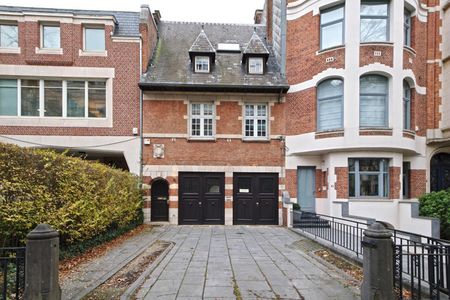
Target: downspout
[
  {"x": 283, "y": 26},
  {"x": 141, "y": 125}
]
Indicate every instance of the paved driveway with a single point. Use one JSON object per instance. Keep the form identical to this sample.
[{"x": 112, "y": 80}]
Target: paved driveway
[{"x": 246, "y": 262}]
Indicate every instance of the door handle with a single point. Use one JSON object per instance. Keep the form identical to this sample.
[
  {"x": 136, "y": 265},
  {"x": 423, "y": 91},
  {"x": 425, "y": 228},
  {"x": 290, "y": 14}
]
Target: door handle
[
  {"x": 257, "y": 203},
  {"x": 199, "y": 203}
]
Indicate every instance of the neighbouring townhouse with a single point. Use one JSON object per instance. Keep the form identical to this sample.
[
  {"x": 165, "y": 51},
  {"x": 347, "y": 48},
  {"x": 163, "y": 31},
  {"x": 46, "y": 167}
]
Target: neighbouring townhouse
[
  {"x": 213, "y": 126},
  {"x": 367, "y": 113},
  {"x": 69, "y": 80}
]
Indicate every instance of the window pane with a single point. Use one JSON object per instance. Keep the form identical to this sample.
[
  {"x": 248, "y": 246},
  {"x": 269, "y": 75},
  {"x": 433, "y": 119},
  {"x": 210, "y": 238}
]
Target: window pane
[
  {"x": 53, "y": 98},
  {"x": 406, "y": 106},
  {"x": 30, "y": 98},
  {"x": 97, "y": 100},
  {"x": 202, "y": 64},
  {"x": 332, "y": 35},
  {"x": 249, "y": 110},
  {"x": 407, "y": 28},
  {"x": 374, "y": 30},
  {"x": 330, "y": 114},
  {"x": 9, "y": 36},
  {"x": 51, "y": 37},
  {"x": 351, "y": 165},
  {"x": 262, "y": 128},
  {"x": 75, "y": 99},
  {"x": 368, "y": 185},
  {"x": 374, "y": 9},
  {"x": 330, "y": 88},
  {"x": 255, "y": 66},
  {"x": 196, "y": 127},
  {"x": 369, "y": 165},
  {"x": 249, "y": 128},
  {"x": 331, "y": 15},
  {"x": 262, "y": 110},
  {"x": 196, "y": 109},
  {"x": 208, "y": 109},
  {"x": 373, "y": 111},
  {"x": 8, "y": 97},
  {"x": 207, "y": 127},
  {"x": 351, "y": 185},
  {"x": 94, "y": 39}
]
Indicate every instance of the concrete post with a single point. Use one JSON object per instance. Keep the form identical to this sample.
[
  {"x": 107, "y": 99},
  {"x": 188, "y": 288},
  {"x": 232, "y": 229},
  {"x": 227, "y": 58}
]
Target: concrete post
[
  {"x": 41, "y": 265},
  {"x": 378, "y": 281}
]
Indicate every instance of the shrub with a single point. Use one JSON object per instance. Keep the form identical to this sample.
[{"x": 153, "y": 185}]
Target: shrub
[
  {"x": 437, "y": 205},
  {"x": 296, "y": 206},
  {"x": 81, "y": 199}
]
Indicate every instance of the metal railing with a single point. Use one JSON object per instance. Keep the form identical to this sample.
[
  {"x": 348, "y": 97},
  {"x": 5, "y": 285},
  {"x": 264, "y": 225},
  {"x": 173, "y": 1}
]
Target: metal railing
[
  {"x": 421, "y": 263},
  {"x": 12, "y": 273}
]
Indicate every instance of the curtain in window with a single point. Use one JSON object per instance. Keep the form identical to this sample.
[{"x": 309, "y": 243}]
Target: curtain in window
[
  {"x": 330, "y": 95},
  {"x": 373, "y": 101}
]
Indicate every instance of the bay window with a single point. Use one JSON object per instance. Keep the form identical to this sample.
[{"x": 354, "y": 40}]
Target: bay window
[
  {"x": 373, "y": 104},
  {"x": 374, "y": 21},
  {"x": 255, "y": 121},
  {"x": 368, "y": 177},
  {"x": 332, "y": 27},
  {"x": 330, "y": 96}
]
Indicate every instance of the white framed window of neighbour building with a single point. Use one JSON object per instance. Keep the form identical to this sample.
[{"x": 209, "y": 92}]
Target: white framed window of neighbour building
[
  {"x": 407, "y": 28},
  {"x": 202, "y": 120},
  {"x": 373, "y": 101},
  {"x": 8, "y": 97},
  {"x": 374, "y": 21},
  {"x": 255, "y": 65},
  {"x": 94, "y": 39},
  {"x": 330, "y": 101},
  {"x": 256, "y": 121},
  {"x": 406, "y": 106},
  {"x": 368, "y": 177},
  {"x": 202, "y": 64},
  {"x": 9, "y": 36},
  {"x": 332, "y": 27},
  {"x": 50, "y": 36},
  {"x": 53, "y": 98}
]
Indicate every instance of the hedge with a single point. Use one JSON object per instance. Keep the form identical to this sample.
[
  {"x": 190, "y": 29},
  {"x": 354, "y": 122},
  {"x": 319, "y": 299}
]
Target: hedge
[
  {"x": 81, "y": 199},
  {"x": 437, "y": 205}
]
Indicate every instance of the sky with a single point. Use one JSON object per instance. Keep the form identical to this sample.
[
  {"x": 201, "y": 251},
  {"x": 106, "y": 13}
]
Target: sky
[{"x": 219, "y": 11}]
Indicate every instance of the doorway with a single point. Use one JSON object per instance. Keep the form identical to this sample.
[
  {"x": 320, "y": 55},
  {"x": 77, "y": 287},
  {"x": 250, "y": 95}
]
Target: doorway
[
  {"x": 160, "y": 200},
  {"x": 306, "y": 186}
]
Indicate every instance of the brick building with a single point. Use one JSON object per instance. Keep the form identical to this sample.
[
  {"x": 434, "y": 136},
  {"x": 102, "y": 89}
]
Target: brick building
[
  {"x": 69, "y": 79},
  {"x": 366, "y": 115},
  {"x": 213, "y": 126}
]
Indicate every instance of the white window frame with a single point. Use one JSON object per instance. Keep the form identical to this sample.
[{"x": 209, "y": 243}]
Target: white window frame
[
  {"x": 377, "y": 17},
  {"x": 42, "y": 45},
  {"x": 320, "y": 101},
  {"x": 64, "y": 99},
  {"x": 383, "y": 170},
  {"x": 198, "y": 58},
  {"x": 255, "y": 118},
  {"x": 87, "y": 27},
  {"x": 324, "y": 25},
  {"x": 255, "y": 71},
  {"x": 202, "y": 117}
]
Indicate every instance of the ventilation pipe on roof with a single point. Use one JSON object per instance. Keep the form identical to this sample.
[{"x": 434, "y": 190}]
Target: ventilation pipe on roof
[{"x": 283, "y": 26}]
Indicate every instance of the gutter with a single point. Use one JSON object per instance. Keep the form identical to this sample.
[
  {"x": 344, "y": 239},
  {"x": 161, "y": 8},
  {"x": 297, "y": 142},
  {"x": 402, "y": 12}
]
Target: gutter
[
  {"x": 276, "y": 89},
  {"x": 141, "y": 125}
]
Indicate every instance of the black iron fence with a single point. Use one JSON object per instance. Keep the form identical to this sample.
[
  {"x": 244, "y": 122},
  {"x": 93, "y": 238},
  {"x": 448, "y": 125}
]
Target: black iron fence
[
  {"x": 422, "y": 264},
  {"x": 12, "y": 273}
]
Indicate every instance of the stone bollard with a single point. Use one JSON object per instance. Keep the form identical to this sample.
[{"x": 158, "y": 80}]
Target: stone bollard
[
  {"x": 378, "y": 283},
  {"x": 41, "y": 265}
]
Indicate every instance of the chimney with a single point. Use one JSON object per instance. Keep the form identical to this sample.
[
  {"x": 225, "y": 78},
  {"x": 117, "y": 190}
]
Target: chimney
[
  {"x": 269, "y": 20},
  {"x": 258, "y": 16},
  {"x": 157, "y": 16},
  {"x": 148, "y": 28}
]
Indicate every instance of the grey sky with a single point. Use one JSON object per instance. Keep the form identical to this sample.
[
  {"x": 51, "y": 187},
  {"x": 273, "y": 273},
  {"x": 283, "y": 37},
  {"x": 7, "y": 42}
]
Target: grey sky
[{"x": 229, "y": 11}]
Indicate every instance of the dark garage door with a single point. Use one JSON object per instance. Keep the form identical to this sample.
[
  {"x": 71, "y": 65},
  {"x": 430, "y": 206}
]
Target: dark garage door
[
  {"x": 255, "y": 198},
  {"x": 201, "y": 198}
]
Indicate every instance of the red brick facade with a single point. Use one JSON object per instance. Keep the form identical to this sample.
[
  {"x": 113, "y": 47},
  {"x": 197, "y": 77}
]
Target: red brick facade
[{"x": 341, "y": 184}]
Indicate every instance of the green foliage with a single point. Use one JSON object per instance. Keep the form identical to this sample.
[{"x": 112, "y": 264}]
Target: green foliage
[
  {"x": 81, "y": 199},
  {"x": 437, "y": 205},
  {"x": 295, "y": 206}
]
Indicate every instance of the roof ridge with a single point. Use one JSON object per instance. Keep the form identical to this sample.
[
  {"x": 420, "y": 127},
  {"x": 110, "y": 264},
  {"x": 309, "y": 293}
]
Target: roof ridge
[
  {"x": 212, "y": 23},
  {"x": 256, "y": 37}
]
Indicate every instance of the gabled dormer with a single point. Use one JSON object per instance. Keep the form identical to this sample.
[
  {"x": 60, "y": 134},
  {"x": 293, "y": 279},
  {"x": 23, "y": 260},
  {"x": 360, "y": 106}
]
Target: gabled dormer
[
  {"x": 202, "y": 54},
  {"x": 255, "y": 55}
]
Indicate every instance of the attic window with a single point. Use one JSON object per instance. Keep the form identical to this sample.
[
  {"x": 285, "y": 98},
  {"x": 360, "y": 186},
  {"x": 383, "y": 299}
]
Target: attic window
[
  {"x": 202, "y": 64},
  {"x": 255, "y": 65}
]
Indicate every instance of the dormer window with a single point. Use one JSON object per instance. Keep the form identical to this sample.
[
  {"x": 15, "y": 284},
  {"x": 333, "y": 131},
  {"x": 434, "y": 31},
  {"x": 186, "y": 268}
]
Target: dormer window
[
  {"x": 255, "y": 65},
  {"x": 202, "y": 64}
]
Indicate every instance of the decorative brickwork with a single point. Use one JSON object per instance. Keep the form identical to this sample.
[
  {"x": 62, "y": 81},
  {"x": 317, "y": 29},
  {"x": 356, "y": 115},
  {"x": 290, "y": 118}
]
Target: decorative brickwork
[
  {"x": 418, "y": 183},
  {"x": 394, "y": 183},
  {"x": 341, "y": 184}
]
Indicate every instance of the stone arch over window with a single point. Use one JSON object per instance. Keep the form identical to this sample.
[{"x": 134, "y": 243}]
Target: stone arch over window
[
  {"x": 373, "y": 101},
  {"x": 330, "y": 103}
]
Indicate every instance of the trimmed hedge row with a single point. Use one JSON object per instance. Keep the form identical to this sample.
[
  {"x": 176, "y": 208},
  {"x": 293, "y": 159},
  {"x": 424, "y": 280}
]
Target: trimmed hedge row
[
  {"x": 437, "y": 205},
  {"x": 81, "y": 199}
]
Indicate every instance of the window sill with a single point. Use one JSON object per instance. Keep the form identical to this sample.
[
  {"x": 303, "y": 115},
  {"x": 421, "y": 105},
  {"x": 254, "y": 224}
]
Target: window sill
[
  {"x": 10, "y": 50},
  {"x": 322, "y": 51},
  {"x": 103, "y": 53},
  {"x": 409, "y": 49},
  {"x": 329, "y": 134},
  {"x": 200, "y": 139},
  {"x": 375, "y": 199},
  {"x": 376, "y": 44},
  {"x": 255, "y": 140},
  {"x": 54, "y": 121},
  {"x": 58, "y": 51},
  {"x": 368, "y": 131}
]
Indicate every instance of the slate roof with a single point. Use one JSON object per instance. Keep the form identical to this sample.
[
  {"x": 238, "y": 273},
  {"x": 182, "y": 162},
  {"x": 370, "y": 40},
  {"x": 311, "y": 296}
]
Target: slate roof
[
  {"x": 127, "y": 23},
  {"x": 256, "y": 45},
  {"x": 171, "y": 68},
  {"x": 202, "y": 44}
]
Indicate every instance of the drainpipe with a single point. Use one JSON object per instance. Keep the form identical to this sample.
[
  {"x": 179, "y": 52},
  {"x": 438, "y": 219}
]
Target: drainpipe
[
  {"x": 283, "y": 26},
  {"x": 141, "y": 125}
]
